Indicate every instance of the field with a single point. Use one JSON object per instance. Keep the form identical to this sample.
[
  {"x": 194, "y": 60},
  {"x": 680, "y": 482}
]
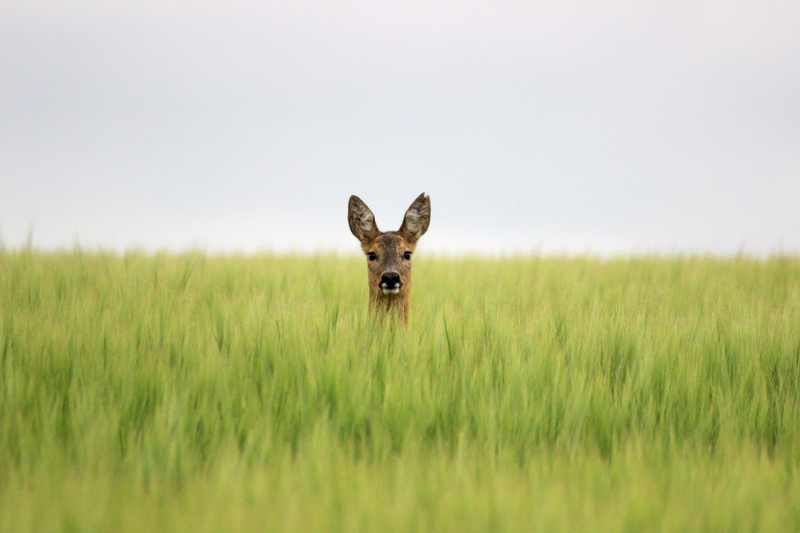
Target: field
[{"x": 252, "y": 393}]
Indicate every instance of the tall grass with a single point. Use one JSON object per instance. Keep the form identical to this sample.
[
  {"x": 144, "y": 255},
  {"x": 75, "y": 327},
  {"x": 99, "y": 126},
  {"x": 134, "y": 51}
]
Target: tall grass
[{"x": 236, "y": 393}]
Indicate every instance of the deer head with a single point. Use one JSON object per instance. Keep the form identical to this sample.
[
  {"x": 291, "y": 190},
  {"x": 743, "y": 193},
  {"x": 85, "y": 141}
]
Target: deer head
[{"x": 389, "y": 253}]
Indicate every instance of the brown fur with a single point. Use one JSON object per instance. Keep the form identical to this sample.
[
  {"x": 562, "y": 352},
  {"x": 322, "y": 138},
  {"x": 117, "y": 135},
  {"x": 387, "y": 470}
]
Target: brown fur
[{"x": 389, "y": 249}]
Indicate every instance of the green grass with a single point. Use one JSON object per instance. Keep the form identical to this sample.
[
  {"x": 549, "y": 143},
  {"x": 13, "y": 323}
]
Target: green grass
[{"x": 251, "y": 393}]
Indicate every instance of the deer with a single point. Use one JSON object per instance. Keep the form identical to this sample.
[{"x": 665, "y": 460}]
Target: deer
[{"x": 389, "y": 254}]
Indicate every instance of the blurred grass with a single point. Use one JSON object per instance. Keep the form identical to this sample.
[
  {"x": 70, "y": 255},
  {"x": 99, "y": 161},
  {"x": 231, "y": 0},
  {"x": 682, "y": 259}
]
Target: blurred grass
[{"x": 205, "y": 393}]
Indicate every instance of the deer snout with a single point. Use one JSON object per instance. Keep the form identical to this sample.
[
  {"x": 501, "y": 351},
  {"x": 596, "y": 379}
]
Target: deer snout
[{"x": 391, "y": 283}]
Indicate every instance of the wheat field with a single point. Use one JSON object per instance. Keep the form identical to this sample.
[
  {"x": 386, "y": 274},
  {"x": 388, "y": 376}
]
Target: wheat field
[{"x": 198, "y": 392}]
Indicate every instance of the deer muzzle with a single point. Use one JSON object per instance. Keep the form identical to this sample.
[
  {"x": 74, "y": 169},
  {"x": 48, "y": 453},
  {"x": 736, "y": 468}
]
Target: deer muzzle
[{"x": 391, "y": 283}]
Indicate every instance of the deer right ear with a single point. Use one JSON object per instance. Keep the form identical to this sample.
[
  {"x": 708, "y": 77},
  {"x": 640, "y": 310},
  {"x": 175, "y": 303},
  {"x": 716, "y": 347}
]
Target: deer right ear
[
  {"x": 361, "y": 220},
  {"x": 417, "y": 219}
]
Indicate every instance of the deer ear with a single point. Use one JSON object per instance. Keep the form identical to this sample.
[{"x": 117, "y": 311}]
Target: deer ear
[
  {"x": 361, "y": 220},
  {"x": 417, "y": 218}
]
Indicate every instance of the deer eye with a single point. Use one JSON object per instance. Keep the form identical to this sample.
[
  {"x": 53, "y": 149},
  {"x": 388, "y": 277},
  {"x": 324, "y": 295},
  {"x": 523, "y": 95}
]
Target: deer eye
[
  {"x": 407, "y": 256},
  {"x": 372, "y": 256}
]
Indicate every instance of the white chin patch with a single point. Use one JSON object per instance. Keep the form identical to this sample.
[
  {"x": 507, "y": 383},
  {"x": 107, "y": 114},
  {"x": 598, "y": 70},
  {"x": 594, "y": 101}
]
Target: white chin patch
[{"x": 391, "y": 291}]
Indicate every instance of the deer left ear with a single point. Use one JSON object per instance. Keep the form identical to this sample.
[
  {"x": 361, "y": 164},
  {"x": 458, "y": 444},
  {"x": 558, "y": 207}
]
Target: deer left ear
[
  {"x": 361, "y": 220},
  {"x": 417, "y": 219}
]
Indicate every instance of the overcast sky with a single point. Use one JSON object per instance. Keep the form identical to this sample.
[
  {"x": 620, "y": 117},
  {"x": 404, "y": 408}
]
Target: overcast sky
[{"x": 600, "y": 127}]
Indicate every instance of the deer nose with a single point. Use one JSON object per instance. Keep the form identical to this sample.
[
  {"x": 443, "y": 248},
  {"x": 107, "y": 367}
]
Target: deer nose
[{"x": 391, "y": 280}]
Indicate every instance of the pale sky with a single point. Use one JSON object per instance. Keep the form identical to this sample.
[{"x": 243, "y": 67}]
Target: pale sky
[{"x": 601, "y": 127}]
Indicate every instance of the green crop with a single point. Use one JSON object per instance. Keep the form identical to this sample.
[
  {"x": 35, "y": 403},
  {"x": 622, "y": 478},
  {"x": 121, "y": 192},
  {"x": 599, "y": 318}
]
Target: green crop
[{"x": 195, "y": 392}]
